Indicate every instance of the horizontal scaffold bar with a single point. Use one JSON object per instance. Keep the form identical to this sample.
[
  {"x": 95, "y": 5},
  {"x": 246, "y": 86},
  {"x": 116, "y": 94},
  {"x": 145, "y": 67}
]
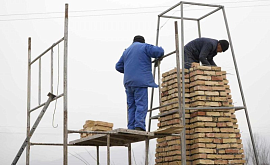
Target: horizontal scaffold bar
[
  {"x": 62, "y": 39},
  {"x": 41, "y": 105}
]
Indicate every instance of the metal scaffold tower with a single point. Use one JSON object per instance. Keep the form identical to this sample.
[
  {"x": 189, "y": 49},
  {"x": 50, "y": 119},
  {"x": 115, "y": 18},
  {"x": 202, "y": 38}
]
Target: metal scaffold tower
[
  {"x": 181, "y": 101},
  {"x": 122, "y": 137}
]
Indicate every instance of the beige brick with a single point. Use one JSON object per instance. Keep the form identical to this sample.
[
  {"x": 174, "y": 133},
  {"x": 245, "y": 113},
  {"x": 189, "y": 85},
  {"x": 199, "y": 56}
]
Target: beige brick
[
  {"x": 219, "y": 99},
  {"x": 171, "y": 153},
  {"x": 198, "y": 145},
  {"x": 198, "y": 135},
  {"x": 227, "y": 129},
  {"x": 202, "y": 68},
  {"x": 203, "y": 140},
  {"x": 91, "y": 123},
  {"x": 224, "y": 119},
  {"x": 229, "y": 140},
  {"x": 210, "y": 124},
  {"x": 211, "y": 73},
  {"x": 222, "y": 93},
  {"x": 223, "y": 146},
  {"x": 213, "y": 156},
  {"x": 204, "y": 161},
  {"x": 212, "y": 104},
  {"x": 237, "y": 161},
  {"x": 221, "y": 161},
  {"x": 216, "y": 68},
  {"x": 209, "y": 93},
  {"x": 197, "y": 93},
  {"x": 213, "y": 113},
  {"x": 221, "y": 151},
  {"x": 199, "y": 118},
  {"x": 222, "y": 135},
  {"x": 216, "y": 130},
  {"x": 203, "y": 129},
  {"x": 227, "y": 156},
  {"x": 211, "y": 145},
  {"x": 203, "y": 150},
  {"x": 199, "y": 156}
]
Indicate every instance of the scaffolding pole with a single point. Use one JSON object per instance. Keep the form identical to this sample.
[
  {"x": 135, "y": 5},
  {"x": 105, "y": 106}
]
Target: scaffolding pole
[
  {"x": 65, "y": 120},
  {"x": 240, "y": 87},
  {"x": 28, "y": 101}
]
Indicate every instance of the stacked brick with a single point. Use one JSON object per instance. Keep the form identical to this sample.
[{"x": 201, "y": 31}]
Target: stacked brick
[
  {"x": 168, "y": 148},
  {"x": 91, "y": 125},
  {"x": 212, "y": 136}
]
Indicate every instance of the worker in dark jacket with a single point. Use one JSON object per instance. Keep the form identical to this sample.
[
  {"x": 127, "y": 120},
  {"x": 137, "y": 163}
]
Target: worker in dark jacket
[
  {"x": 203, "y": 50},
  {"x": 135, "y": 63}
]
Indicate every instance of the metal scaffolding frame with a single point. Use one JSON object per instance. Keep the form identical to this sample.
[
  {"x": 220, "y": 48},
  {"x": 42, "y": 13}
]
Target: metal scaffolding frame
[
  {"x": 45, "y": 105},
  {"x": 147, "y": 135},
  {"x": 181, "y": 101}
]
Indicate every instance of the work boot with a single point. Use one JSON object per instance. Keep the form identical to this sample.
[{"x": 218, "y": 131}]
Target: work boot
[{"x": 139, "y": 129}]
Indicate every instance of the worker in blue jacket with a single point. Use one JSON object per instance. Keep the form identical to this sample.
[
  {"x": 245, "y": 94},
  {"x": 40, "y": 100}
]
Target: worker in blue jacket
[
  {"x": 135, "y": 63},
  {"x": 203, "y": 50}
]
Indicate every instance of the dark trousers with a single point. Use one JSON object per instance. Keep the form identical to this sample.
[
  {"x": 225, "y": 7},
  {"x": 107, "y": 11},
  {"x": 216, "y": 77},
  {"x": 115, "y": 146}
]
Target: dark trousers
[{"x": 189, "y": 59}]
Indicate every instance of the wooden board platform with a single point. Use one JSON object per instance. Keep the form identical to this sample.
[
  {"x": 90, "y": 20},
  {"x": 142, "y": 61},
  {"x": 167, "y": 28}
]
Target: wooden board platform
[
  {"x": 119, "y": 137},
  {"x": 171, "y": 129}
]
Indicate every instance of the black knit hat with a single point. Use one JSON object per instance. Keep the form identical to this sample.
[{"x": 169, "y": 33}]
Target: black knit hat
[
  {"x": 224, "y": 45},
  {"x": 139, "y": 38}
]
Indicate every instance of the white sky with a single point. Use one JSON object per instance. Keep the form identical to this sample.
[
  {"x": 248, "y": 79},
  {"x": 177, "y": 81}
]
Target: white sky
[{"x": 96, "y": 42}]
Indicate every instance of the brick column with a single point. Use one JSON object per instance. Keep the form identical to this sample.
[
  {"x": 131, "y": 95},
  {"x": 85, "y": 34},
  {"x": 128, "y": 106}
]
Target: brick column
[{"x": 212, "y": 136}]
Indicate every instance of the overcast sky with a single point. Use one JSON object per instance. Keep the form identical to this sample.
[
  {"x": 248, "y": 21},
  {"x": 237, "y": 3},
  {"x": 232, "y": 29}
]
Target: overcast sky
[{"x": 99, "y": 31}]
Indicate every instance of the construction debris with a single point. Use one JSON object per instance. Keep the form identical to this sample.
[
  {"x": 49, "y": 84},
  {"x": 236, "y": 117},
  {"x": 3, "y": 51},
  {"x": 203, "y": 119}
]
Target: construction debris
[
  {"x": 91, "y": 125},
  {"x": 212, "y": 136}
]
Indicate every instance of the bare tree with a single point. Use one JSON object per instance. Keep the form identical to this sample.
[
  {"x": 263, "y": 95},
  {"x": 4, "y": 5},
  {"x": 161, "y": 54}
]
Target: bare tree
[{"x": 263, "y": 150}]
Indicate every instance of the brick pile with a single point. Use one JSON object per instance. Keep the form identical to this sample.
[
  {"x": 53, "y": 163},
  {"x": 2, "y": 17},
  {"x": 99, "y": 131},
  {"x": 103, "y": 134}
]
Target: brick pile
[
  {"x": 91, "y": 125},
  {"x": 212, "y": 136}
]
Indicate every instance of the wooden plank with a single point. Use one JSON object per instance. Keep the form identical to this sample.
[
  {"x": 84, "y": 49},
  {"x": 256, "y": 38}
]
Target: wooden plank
[
  {"x": 119, "y": 137},
  {"x": 171, "y": 129}
]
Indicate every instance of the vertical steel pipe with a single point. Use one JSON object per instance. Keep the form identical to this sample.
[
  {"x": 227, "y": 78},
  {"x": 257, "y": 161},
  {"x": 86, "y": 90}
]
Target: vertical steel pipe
[
  {"x": 39, "y": 82},
  {"x": 159, "y": 88},
  {"x": 157, "y": 36},
  {"x": 65, "y": 120},
  {"x": 129, "y": 154},
  {"x": 178, "y": 74},
  {"x": 199, "y": 29},
  {"x": 154, "y": 75},
  {"x": 28, "y": 101},
  {"x": 97, "y": 155},
  {"x": 183, "y": 134},
  {"x": 146, "y": 150},
  {"x": 108, "y": 149},
  {"x": 151, "y": 101},
  {"x": 51, "y": 70},
  {"x": 240, "y": 87}
]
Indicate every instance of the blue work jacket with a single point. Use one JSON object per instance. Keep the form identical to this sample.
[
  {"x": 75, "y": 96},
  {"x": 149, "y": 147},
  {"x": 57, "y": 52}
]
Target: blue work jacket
[
  {"x": 135, "y": 63},
  {"x": 202, "y": 49}
]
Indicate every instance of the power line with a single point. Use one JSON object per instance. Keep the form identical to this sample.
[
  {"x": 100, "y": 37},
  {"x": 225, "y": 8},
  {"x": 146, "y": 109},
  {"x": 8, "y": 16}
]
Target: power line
[
  {"x": 115, "y": 9},
  {"x": 112, "y": 14}
]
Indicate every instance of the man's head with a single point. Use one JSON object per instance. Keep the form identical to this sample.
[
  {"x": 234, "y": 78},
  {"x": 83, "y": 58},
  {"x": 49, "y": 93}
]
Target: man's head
[
  {"x": 139, "y": 38},
  {"x": 223, "y": 45}
]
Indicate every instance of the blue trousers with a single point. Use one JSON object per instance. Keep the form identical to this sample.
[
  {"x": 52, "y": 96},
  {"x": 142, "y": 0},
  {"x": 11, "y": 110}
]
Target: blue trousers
[{"x": 137, "y": 101}]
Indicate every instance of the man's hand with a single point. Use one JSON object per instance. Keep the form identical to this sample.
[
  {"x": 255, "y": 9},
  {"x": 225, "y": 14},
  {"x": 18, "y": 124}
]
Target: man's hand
[{"x": 158, "y": 60}]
